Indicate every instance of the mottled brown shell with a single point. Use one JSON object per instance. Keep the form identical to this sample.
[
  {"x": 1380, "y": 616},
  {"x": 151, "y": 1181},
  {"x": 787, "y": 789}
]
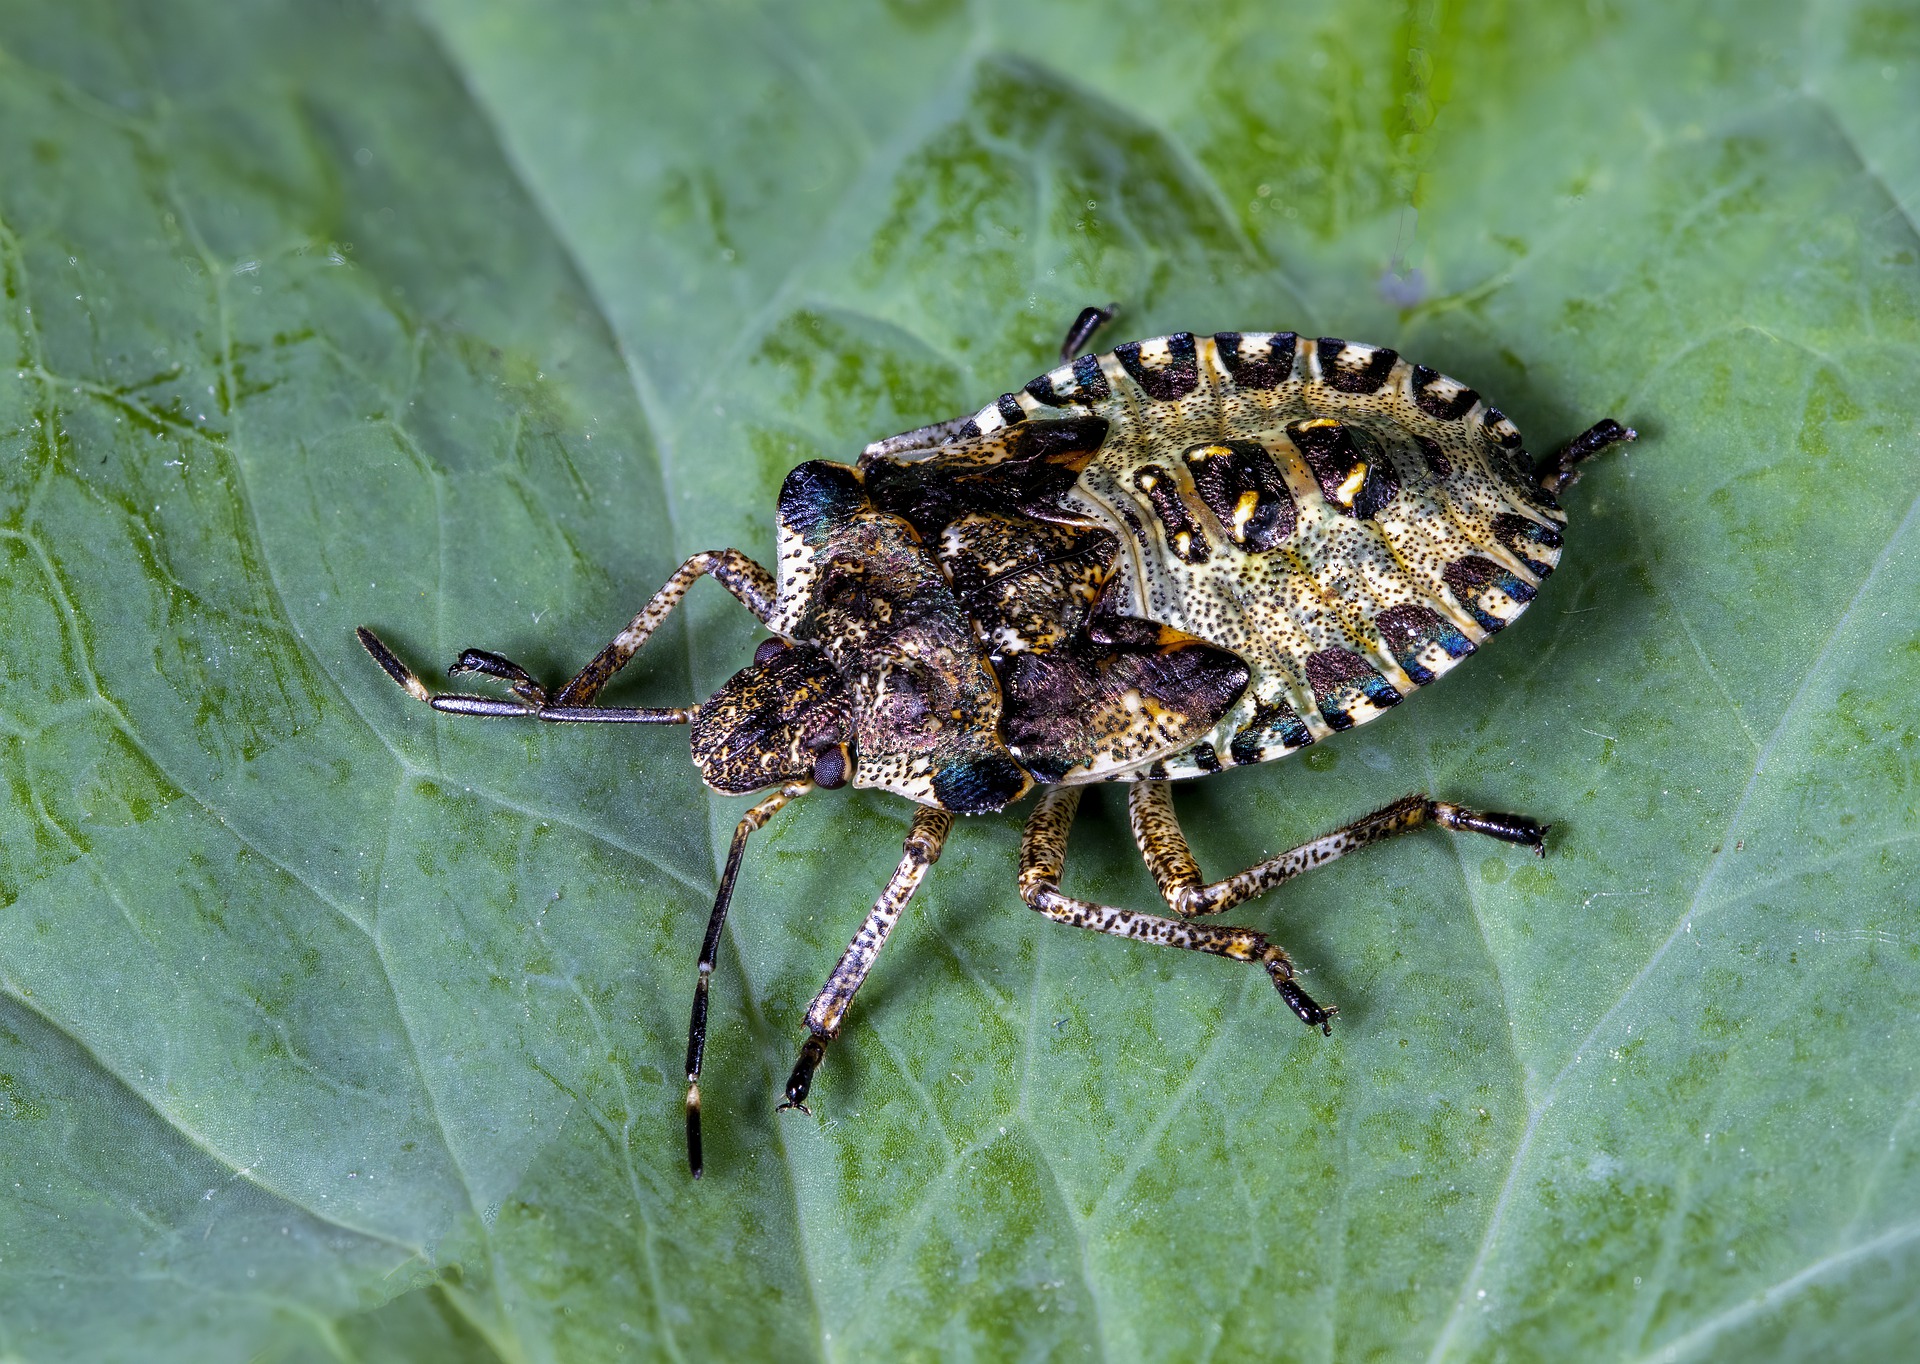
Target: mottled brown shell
[{"x": 1198, "y": 552}]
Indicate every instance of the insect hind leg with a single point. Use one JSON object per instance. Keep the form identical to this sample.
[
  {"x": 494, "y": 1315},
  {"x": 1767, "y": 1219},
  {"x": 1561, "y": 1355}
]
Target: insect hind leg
[
  {"x": 1043, "y": 849},
  {"x": 1558, "y": 471},
  {"x": 1091, "y": 320},
  {"x": 1162, "y": 844}
]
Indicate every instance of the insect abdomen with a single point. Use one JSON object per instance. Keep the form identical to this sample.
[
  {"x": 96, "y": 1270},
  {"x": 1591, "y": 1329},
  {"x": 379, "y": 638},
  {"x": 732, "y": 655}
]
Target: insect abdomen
[{"x": 1349, "y": 524}]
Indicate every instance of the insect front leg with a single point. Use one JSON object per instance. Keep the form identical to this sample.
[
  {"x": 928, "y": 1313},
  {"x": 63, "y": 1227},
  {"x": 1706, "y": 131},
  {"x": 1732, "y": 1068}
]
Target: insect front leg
[
  {"x": 573, "y": 703},
  {"x": 1043, "y": 854},
  {"x": 829, "y": 1008},
  {"x": 751, "y": 584},
  {"x": 1156, "y": 830},
  {"x": 710, "y": 952}
]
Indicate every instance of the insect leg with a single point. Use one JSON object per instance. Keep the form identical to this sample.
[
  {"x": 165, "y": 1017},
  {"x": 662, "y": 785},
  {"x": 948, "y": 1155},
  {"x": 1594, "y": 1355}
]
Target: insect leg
[
  {"x": 1556, "y": 471},
  {"x": 710, "y": 949},
  {"x": 1043, "y": 852},
  {"x": 529, "y": 698},
  {"x": 1084, "y": 326},
  {"x": 829, "y": 1007},
  {"x": 752, "y": 584},
  {"x": 1157, "y": 831}
]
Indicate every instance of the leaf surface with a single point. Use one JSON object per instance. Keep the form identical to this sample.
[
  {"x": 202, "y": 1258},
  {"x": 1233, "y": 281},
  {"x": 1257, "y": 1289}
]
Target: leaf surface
[{"x": 331, "y": 1028}]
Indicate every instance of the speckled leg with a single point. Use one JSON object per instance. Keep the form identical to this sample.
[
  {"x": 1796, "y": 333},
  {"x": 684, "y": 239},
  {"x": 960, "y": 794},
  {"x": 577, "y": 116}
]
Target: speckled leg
[
  {"x": 752, "y": 584},
  {"x": 829, "y": 1007},
  {"x": 710, "y": 951},
  {"x": 1043, "y": 852},
  {"x": 573, "y": 703},
  {"x": 1157, "y": 830}
]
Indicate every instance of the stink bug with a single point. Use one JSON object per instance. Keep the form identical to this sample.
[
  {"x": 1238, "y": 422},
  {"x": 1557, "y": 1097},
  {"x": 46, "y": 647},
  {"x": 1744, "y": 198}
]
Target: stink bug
[{"x": 1187, "y": 554}]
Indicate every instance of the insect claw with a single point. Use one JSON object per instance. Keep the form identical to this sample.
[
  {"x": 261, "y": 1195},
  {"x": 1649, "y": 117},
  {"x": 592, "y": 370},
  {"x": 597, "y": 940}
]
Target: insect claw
[
  {"x": 481, "y": 661},
  {"x": 1083, "y": 328},
  {"x": 1309, "y": 1013},
  {"x": 518, "y": 680},
  {"x": 1519, "y": 829},
  {"x": 1556, "y": 472},
  {"x": 798, "y": 1083},
  {"x": 695, "y": 1164}
]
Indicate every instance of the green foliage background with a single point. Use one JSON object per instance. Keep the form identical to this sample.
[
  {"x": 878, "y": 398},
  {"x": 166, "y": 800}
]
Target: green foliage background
[{"x": 332, "y": 1029}]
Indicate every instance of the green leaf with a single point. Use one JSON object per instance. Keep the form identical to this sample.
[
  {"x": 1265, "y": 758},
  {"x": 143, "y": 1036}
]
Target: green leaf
[{"x": 334, "y": 1029}]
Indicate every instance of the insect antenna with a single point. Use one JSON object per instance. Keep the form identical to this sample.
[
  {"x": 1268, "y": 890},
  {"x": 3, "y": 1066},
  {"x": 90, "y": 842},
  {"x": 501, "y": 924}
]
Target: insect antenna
[{"x": 529, "y": 697}]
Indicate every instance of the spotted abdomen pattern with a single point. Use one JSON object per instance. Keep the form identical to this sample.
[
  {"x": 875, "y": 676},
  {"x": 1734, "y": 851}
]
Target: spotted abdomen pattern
[{"x": 1346, "y": 524}]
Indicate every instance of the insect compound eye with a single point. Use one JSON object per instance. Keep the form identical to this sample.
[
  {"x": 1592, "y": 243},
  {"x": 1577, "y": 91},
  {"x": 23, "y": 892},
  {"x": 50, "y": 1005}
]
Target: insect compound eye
[
  {"x": 769, "y": 650},
  {"x": 830, "y": 768}
]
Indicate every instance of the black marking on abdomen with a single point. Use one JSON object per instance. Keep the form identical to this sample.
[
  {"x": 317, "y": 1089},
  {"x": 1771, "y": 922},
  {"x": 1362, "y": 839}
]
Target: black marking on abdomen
[
  {"x": 1409, "y": 628},
  {"x": 1522, "y": 534},
  {"x": 1041, "y": 391},
  {"x": 1338, "y": 453},
  {"x": 1010, "y": 410},
  {"x": 1471, "y": 575},
  {"x": 1171, "y": 381},
  {"x": 1364, "y": 377},
  {"x": 1436, "y": 458},
  {"x": 1204, "y": 757},
  {"x": 1089, "y": 379},
  {"x": 1447, "y": 409},
  {"x": 1271, "y": 372},
  {"x": 1335, "y": 673},
  {"x": 1275, "y": 725},
  {"x": 1494, "y": 417},
  {"x": 1244, "y": 490},
  {"x": 1184, "y": 537}
]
